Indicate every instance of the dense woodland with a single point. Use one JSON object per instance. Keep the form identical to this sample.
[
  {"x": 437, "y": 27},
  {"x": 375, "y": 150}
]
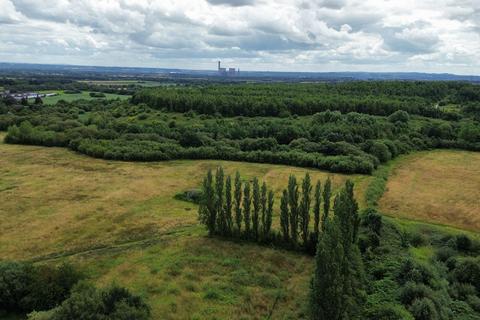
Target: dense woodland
[
  {"x": 351, "y": 140},
  {"x": 253, "y": 100}
]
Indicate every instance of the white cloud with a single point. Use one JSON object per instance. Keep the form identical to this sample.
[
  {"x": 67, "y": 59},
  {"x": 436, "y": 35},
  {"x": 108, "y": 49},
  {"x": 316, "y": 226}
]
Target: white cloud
[{"x": 294, "y": 35}]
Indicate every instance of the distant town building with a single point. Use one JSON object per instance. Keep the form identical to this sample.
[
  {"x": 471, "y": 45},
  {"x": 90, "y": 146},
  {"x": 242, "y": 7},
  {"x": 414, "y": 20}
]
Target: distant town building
[
  {"x": 26, "y": 95},
  {"x": 230, "y": 72}
]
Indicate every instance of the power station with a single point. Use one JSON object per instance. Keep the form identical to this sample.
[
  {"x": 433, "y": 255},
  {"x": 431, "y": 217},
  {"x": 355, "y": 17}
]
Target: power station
[{"x": 230, "y": 72}]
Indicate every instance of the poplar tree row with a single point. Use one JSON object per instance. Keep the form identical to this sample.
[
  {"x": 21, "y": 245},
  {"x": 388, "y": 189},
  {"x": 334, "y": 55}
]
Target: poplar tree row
[
  {"x": 337, "y": 287},
  {"x": 245, "y": 210}
]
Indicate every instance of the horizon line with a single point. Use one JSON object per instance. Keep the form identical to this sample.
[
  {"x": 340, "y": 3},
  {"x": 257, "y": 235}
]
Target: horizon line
[{"x": 242, "y": 70}]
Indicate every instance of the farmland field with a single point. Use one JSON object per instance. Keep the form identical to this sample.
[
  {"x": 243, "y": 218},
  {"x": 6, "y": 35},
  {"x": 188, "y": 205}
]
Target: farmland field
[
  {"x": 119, "y": 221},
  {"x": 77, "y": 96},
  {"x": 437, "y": 187},
  {"x": 123, "y": 83}
]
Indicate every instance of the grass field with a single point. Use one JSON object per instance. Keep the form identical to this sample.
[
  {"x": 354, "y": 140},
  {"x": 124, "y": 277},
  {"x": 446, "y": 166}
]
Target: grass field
[
  {"x": 123, "y": 83},
  {"x": 439, "y": 186},
  {"x": 120, "y": 222},
  {"x": 77, "y": 96}
]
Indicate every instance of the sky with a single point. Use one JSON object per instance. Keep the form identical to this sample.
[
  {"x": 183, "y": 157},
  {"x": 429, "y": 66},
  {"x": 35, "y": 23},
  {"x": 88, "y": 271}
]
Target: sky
[{"x": 275, "y": 35}]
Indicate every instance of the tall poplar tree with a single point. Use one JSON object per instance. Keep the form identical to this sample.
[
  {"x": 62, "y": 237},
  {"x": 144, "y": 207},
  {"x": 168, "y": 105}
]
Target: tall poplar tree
[
  {"x": 305, "y": 209},
  {"x": 327, "y": 194},
  {"x": 337, "y": 286},
  {"x": 237, "y": 197},
  {"x": 293, "y": 206},
  {"x": 269, "y": 215},
  {"x": 326, "y": 293},
  {"x": 284, "y": 215},
  {"x": 316, "y": 208},
  {"x": 207, "y": 209},
  {"x": 219, "y": 182},
  {"x": 263, "y": 205},
  {"x": 228, "y": 206},
  {"x": 256, "y": 208},
  {"x": 247, "y": 201}
]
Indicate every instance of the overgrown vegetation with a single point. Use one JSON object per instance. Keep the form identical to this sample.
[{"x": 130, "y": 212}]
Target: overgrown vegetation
[{"x": 56, "y": 293}]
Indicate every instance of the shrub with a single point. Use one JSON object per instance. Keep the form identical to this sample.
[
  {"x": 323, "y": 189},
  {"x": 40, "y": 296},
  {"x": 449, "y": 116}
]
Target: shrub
[
  {"x": 411, "y": 271},
  {"x": 463, "y": 243},
  {"x": 474, "y": 302},
  {"x": 461, "y": 291},
  {"x": 24, "y": 287},
  {"x": 468, "y": 271},
  {"x": 193, "y": 195},
  {"x": 445, "y": 253},
  {"x": 373, "y": 220},
  {"x": 381, "y": 151},
  {"x": 412, "y": 291},
  {"x": 388, "y": 311},
  {"x": 97, "y": 95},
  {"x": 399, "y": 116},
  {"x": 424, "y": 309},
  {"x": 417, "y": 239},
  {"x": 86, "y": 302}
]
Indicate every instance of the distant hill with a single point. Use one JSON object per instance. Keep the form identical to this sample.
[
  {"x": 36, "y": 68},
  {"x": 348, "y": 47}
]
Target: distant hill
[{"x": 260, "y": 75}]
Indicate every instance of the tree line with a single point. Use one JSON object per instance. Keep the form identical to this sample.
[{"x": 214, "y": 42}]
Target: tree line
[
  {"x": 244, "y": 210},
  {"x": 375, "y": 98},
  {"x": 238, "y": 209}
]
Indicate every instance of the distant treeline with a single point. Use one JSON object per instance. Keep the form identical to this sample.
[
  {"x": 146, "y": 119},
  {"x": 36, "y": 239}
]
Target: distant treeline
[{"x": 376, "y": 98}]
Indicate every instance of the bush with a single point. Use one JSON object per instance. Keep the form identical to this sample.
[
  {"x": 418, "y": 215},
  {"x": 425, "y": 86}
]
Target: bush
[
  {"x": 372, "y": 220},
  {"x": 411, "y": 271},
  {"x": 445, "y": 253},
  {"x": 399, "y": 116},
  {"x": 97, "y": 95},
  {"x": 424, "y": 309},
  {"x": 388, "y": 311},
  {"x": 468, "y": 271},
  {"x": 461, "y": 291},
  {"x": 417, "y": 239},
  {"x": 115, "y": 303},
  {"x": 24, "y": 287},
  {"x": 381, "y": 151},
  {"x": 474, "y": 302},
  {"x": 463, "y": 243},
  {"x": 194, "y": 196},
  {"x": 412, "y": 291}
]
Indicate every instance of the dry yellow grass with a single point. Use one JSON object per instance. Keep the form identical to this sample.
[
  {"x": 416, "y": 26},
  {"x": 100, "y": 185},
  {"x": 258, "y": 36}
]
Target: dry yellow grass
[
  {"x": 441, "y": 186},
  {"x": 55, "y": 200}
]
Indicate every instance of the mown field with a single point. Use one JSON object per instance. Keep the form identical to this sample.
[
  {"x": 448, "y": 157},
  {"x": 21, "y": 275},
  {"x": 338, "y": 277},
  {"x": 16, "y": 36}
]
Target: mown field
[
  {"x": 440, "y": 186},
  {"x": 77, "y": 96},
  {"x": 123, "y": 83},
  {"x": 120, "y": 222}
]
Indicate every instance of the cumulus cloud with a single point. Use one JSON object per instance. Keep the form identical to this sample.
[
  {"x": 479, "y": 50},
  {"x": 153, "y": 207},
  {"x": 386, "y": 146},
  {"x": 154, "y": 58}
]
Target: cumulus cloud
[
  {"x": 232, "y": 3},
  {"x": 293, "y": 35}
]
